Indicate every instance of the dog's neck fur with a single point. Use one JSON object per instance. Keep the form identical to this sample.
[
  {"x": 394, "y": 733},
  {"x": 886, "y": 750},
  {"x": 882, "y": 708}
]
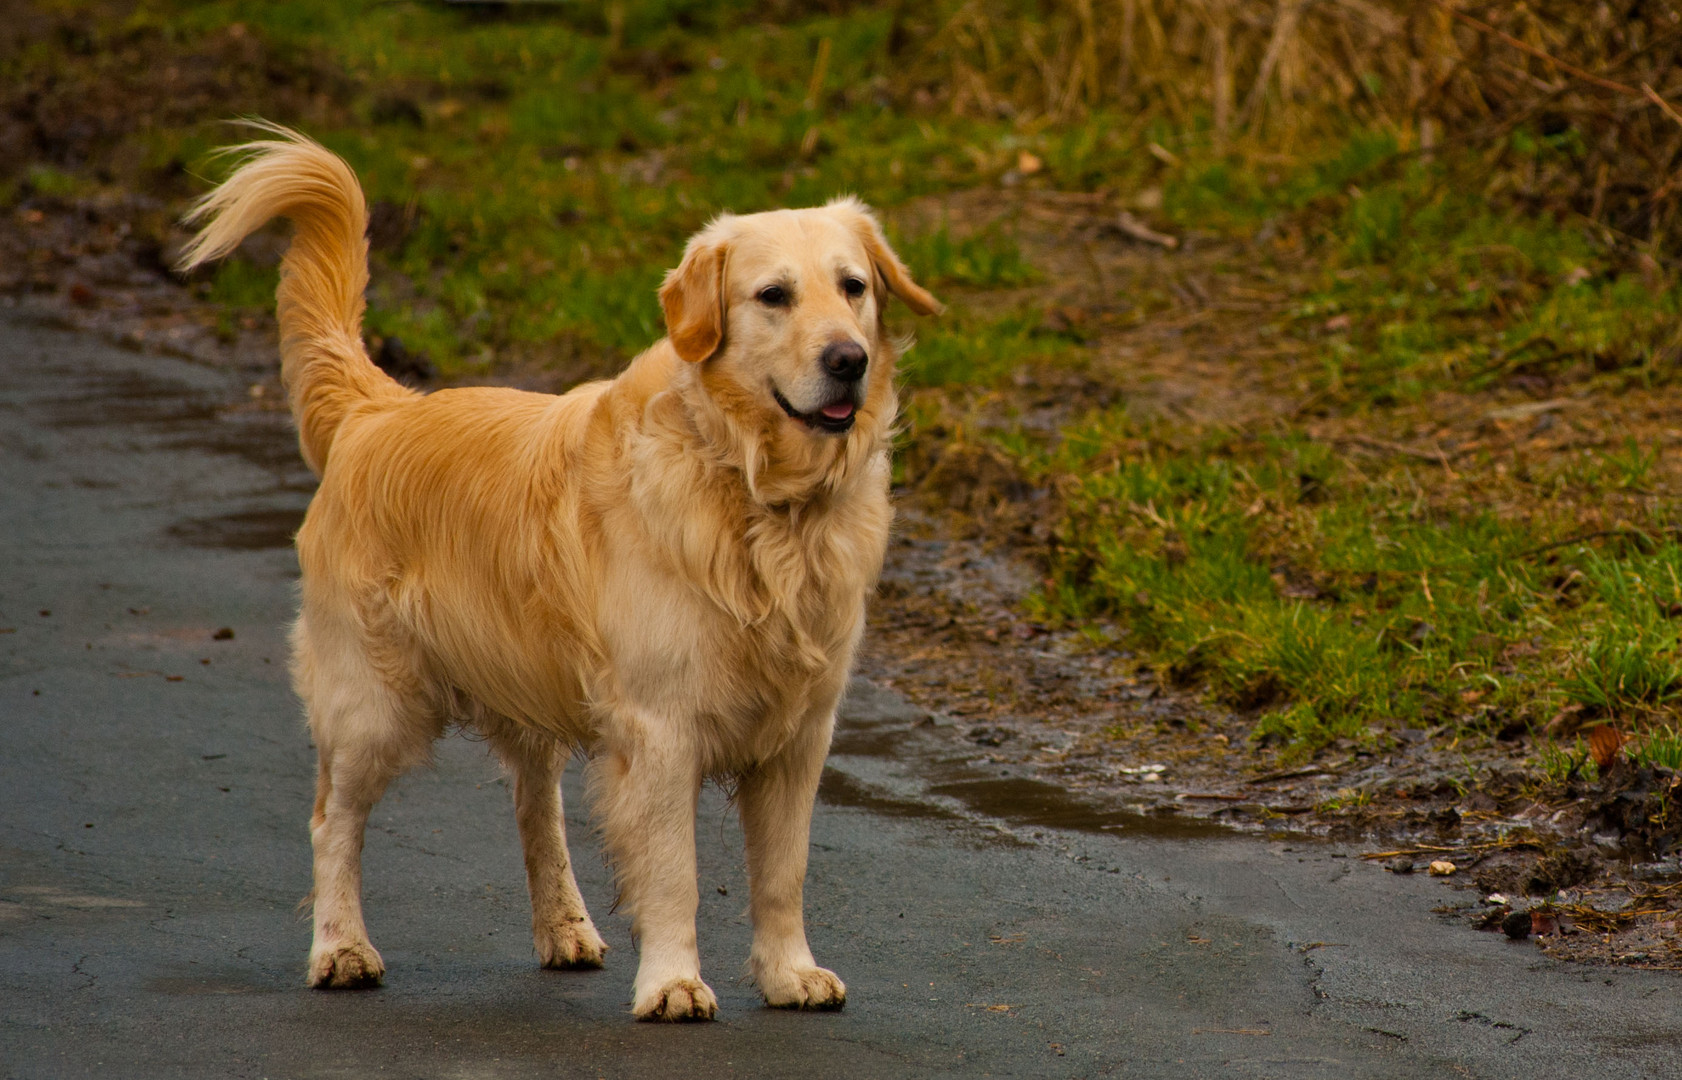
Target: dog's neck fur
[{"x": 810, "y": 513}]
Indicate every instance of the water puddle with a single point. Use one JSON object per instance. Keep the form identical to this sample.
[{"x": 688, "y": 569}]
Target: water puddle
[
  {"x": 889, "y": 758},
  {"x": 245, "y": 530},
  {"x": 126, "y": 398},
  {"x": 170, "y": 414}
]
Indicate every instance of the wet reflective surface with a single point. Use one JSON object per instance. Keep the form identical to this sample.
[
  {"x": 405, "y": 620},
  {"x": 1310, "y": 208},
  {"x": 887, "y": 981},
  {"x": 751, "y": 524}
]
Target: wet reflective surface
[
  {"x": 243, "y": 530},
  {"x": 888, "y": 756},
  {"x": 158, "y": 781}
]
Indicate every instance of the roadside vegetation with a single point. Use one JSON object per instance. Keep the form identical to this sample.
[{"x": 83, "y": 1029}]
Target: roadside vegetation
[{"x": 1424, "y": 259}]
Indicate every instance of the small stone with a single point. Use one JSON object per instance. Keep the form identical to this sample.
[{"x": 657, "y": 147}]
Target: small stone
[
  {"x": 1401, "y": 864},
  {"x": 224, "y": 634},
  {"x": 1495, "y": 898},
  {"x": 1516, "y": 925},
  {"x": 1441, "y": 868}
]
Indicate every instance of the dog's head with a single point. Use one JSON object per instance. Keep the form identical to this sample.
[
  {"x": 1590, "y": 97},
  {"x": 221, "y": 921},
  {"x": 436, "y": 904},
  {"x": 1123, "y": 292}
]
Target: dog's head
[{"x": 780, "y": 315}]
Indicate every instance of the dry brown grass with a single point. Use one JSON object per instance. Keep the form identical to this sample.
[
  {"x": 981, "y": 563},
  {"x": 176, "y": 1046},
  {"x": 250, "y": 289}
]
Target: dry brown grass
[{"x": 1264, "y": 76}]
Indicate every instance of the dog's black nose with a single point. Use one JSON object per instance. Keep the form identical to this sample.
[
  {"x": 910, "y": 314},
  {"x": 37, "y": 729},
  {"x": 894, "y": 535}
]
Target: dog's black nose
[{"x": 844, "y": 359}]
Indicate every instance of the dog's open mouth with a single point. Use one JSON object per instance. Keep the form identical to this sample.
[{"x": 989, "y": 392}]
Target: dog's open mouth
[{"x": 836, "y": 417}]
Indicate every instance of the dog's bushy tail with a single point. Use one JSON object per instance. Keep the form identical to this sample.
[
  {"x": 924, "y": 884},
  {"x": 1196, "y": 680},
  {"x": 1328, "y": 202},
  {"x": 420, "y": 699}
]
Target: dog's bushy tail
[{"x": 323, "y": 364}]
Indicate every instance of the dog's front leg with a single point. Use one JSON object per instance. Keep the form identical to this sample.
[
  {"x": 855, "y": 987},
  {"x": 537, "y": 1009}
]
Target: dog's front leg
[
  {"x": 647, "y": 795},
  {"x": 776, "y": 806}
]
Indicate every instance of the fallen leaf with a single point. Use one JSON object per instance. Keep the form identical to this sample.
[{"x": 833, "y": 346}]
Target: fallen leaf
[
  {"x": 1027, "y": 164},
  {"x": 1604, "y": 743}
]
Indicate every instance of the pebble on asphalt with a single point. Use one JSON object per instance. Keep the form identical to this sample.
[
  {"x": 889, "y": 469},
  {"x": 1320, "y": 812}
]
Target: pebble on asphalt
[
  {"x": 1441, "y": 868},
  {"x": 1516, "y": 925}
]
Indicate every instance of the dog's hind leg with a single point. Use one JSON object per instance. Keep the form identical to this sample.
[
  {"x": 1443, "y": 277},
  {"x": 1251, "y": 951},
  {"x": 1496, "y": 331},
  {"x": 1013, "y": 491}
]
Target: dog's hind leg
[
  {"x": 366, "y": 734},
  {"x": 645, "y": 788},
  {"x": 560, "y": 926},
  {"x": 775, "y": 800}
]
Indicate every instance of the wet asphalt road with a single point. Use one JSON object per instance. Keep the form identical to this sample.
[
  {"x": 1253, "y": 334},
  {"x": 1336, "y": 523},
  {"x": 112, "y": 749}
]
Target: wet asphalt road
[{"x": 155, "y": 783}]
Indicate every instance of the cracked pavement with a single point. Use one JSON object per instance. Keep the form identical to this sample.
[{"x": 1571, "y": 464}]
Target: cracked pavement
[{"x": 154, "y": 847}]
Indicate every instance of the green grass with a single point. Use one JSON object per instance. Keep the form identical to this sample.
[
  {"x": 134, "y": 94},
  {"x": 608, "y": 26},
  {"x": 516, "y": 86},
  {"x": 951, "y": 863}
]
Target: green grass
[
  {"x": 1428, "y": 284},
  {"x": 988, "y": 259},
  {"x": 961, "y": 349},
  {"x": 1335, "y": 606},
  {"x": 1560, "y": 765},
  {"x": 237, "y": 283},
  {"x": 556, "y": 164},
  {"x": 1661, "y": 746}
]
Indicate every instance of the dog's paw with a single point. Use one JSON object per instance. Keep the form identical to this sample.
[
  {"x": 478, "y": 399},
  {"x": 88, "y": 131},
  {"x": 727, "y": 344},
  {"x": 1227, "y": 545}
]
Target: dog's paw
[
  {"x": 349, "y": 967},
  {"x": 567, "y": 944},
  {"x": 803, "y": 988},
  {"x": 677, "y": 1001}
]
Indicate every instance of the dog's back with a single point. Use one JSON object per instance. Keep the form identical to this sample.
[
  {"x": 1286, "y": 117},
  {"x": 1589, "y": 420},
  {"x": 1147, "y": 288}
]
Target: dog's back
[{"x": 466, "y": 515}]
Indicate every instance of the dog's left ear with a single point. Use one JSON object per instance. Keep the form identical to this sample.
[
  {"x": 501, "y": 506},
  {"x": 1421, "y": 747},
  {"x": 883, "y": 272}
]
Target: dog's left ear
[
  {"x": 692, "y": 298},
  {"x": 887, "y": 265}
]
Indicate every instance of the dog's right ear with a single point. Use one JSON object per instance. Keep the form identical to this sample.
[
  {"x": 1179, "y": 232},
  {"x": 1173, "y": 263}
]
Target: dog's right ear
[{"x": 693, "y": 299}]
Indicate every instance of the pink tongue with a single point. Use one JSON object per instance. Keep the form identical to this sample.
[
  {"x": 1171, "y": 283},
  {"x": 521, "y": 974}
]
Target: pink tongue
[{"x": 838, "y": 411}]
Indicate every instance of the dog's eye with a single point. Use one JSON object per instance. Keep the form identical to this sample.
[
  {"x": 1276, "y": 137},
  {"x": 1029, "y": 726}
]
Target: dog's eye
[
  {"x": 853, "y": 287},
  {"x": 773, "y": 296}
]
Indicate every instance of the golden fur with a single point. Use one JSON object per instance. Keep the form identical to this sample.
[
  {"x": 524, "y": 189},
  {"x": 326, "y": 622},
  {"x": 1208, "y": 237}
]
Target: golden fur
[{"x": 666, "y": 571}]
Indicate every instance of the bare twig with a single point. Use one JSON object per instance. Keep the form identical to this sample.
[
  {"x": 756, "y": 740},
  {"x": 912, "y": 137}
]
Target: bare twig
[
  {"x": 1653, "y": 96},
  {"x": 1478, "y": 850},
  {"x": 1436, "y": 455},
  {"x": 1284, "y": 28},
  {"x": 1138, "y": 230},
  {"x": 1290, "y": 774},
  {"x": 1633, "y": 534},
  {"x": 1526, "y": 47}
]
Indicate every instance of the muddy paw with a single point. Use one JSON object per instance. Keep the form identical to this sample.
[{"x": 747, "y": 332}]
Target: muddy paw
[
  {"x": 348, "y": 967},
  {"x": 804, "y": 988},
  {"x": 566, "y": 944},
  {"x": 677, "y": 1001}
]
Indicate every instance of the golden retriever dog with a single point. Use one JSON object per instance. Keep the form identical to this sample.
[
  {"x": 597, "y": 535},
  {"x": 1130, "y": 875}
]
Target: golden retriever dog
[{"x": 665, "y": 572}]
